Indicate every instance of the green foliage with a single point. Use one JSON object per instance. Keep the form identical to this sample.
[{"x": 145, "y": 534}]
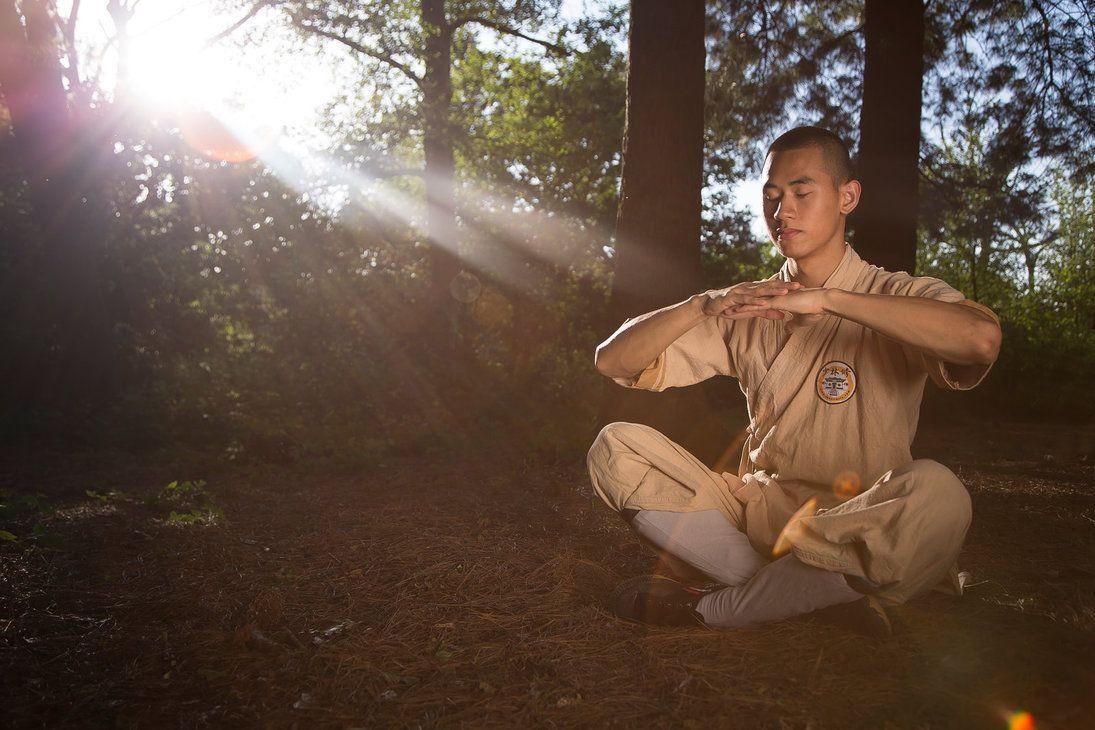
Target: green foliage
[
  {"x": 20, "y": 510},
  {"x": 10, "y": 505},
  {"x": 546, "y": 133},
  {"x": 99, "y": 497},
  {"x": 983, "y": 213},
  {"x": 190, "y": 503},
  {"x": 1037, "y": 276},
  {"x": 1070, "y": 274},
  {"x": 178, "y": 492},
  {"x": 206, "y": 515}
]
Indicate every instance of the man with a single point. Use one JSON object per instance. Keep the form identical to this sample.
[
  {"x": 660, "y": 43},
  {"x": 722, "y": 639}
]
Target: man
[{"x": 827, "y": 510}]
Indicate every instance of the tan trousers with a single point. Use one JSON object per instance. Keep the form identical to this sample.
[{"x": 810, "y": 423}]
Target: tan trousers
[{"x": 902, "y": 534}]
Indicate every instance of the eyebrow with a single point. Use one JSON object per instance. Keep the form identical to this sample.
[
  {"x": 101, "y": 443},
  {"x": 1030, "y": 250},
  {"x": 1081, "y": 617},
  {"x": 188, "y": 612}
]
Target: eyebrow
[{"x": 807, "y": 180}]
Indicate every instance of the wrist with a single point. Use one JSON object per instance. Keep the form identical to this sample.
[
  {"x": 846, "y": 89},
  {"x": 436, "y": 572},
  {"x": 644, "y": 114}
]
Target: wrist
[
  {"x": 832, "y": 301},
  {"x": 695, "y": 305}
]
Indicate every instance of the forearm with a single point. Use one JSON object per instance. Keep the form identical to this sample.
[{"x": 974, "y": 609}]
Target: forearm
[
  {"x": 639, "y": 341},
  {"x": 951, "y": 332}
]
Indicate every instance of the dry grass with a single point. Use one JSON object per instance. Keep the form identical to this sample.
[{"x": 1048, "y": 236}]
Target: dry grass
[{"x": 428, "y": 592}]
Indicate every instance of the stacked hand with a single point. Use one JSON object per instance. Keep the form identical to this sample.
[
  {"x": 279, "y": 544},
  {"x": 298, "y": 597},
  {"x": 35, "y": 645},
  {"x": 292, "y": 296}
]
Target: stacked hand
[{"x": 771, "y": 299}]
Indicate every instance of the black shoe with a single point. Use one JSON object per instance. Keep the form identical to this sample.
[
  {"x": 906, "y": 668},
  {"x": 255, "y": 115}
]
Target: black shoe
[
  {"x": 654, "y": 599},
  {"x": 864, "y": 616}
]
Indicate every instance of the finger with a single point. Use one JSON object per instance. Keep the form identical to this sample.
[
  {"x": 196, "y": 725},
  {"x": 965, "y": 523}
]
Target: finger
[
  {"x": 745, "y": 313},
  {"x": 765, "y": 292},
  {"x": 774, "y": 289},
  {"x": 723, "y": 307},
  {"x": 757, "y": 301}
]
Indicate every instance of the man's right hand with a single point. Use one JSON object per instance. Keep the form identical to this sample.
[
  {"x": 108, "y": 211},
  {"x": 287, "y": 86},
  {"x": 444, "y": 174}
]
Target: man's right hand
[{"x": 747, "y": 299}]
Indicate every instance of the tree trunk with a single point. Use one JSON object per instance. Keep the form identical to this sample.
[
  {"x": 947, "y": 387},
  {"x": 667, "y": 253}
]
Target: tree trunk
[
  {"x": 889, "y": 144},
  {"x": 440, "y": 168},
  {"x": 60, "y": 333},
  {"x": 658, "y": 220}
]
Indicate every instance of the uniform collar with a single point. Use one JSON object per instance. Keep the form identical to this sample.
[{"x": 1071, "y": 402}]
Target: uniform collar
[{"x": 843, "y": 276}]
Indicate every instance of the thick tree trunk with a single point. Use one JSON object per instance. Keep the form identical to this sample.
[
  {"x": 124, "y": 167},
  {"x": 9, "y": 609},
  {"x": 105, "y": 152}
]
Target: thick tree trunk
[
  {"x": 658, "y": 221},
  {"x": 59, "y": 334},
  {"x": 889, "y": 145},
  {"x": 441, "y": 230}
]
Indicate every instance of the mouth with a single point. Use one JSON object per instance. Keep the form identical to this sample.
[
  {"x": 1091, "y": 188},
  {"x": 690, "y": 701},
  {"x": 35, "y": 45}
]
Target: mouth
[{"x": 785, "y": 234}]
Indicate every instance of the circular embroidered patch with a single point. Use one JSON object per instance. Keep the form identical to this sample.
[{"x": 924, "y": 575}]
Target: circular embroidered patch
[{"x": 835, "y": 382}]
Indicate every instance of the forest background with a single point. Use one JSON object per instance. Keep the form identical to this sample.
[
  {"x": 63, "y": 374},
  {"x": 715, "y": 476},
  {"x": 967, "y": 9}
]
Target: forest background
[{"x": 183, "y": 276}]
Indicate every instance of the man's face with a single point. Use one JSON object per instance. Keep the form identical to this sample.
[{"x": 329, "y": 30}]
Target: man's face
[{"x": 803, "y": 206}]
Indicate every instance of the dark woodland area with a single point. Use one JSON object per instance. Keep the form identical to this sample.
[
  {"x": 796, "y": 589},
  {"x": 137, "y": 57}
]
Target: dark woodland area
[{"x": 296, "y": 437}]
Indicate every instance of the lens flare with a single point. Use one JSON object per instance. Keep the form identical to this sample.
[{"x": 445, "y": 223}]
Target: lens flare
[
  {"x": 792, "y": 531},
  {"x": 213, "y": 139},
  {"x": 1021, "y": 721},
  {"x": 846, "y": 485},
  {"x": 493, "y": 310},
  {"x": 465, "y": 287},
  {"x": 727, "y": 460}
]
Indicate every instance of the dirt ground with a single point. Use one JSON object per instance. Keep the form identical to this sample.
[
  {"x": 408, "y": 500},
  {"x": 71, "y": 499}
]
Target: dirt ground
[{"x": 423, "y": 592}]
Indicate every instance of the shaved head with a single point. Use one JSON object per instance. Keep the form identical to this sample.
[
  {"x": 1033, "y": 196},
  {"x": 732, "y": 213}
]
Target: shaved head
[{"x": 834, "y": 152}]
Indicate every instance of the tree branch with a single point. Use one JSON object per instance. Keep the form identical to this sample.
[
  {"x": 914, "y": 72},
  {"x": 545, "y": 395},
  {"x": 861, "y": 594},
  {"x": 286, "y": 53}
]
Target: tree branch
[
  {"x": 68, "y": 33},
  {"x": 362, "y": 49},
  {"x": 70, "y": 24},
  {"x": 1046, "y": 38},
  {"x": 257, "y": 8},
  {"x": 508, "y": 30}
]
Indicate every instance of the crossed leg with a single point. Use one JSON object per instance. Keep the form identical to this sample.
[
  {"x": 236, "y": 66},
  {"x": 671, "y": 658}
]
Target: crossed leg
[{"x": 684, "y": 509}]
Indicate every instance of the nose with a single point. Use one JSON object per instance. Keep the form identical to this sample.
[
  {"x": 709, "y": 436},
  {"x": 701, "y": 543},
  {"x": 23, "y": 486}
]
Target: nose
[{"x": 784, "y": 209}]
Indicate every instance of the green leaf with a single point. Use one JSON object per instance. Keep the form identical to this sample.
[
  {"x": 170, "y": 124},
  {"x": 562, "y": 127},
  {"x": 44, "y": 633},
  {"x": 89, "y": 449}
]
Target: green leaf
[{"x": 6, "y": 536}]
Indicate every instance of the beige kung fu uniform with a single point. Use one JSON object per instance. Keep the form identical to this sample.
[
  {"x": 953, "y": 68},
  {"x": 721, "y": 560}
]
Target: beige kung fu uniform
[{"x": 833, "y": 408}]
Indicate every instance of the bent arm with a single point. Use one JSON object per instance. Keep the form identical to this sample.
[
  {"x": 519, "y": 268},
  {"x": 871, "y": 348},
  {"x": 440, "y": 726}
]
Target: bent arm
[
  {"x": 950, "y": 331},
  {"x": 639, "y": 341}
]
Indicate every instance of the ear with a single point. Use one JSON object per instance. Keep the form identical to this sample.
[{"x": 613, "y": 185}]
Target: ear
[{"x": 849, "y": 194}]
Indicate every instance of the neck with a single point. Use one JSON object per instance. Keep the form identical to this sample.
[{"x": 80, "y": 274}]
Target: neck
[{"x": 812, "y": 271}]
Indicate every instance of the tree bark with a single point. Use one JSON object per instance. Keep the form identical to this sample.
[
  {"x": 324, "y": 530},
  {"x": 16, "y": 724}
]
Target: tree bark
[
  {"x": 889, "y": 146},
  {"x": 440, "y": 167},
  {"x": 658, "y": 220},
  {"x": 60, "y": 333}
]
